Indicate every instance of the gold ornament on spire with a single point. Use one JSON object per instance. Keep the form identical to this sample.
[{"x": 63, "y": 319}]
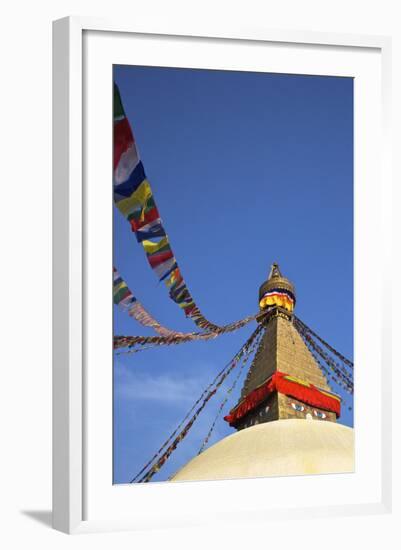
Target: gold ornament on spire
[{"x": 277, "y": 291}]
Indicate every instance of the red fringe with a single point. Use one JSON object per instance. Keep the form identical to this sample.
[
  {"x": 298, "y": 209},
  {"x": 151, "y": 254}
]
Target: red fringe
[{"x": 307, "y": 394}]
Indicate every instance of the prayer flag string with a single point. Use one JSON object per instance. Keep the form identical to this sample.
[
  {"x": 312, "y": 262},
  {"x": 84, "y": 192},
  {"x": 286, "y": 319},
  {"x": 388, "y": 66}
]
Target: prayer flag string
[
  {"x": 125, "y": 299},
  {"x": 230, "y": 390},
  {"x": 132, "y": 341},
  {"x": 186, "y": 416},
  {"x": 134, "y": 198},
  {"x": 334, "y": 351},
  {"x": 335, "y": 367},
  {"x": 330, "y": 375},
  {"x": 206, "y": 396}
]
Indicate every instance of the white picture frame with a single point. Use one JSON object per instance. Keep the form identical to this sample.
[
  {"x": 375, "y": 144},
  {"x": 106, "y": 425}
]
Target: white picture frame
[{"x": 71, "y": 244}]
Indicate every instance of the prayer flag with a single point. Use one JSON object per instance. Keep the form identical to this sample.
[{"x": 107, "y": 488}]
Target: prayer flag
[
  {"x": 118, "y": 109},
  {"x": 148, "y": 217},
  {"x": 168, "y": 272},
  {"x": 158, "y": 259},
  {"x": 164, "y": 268},
  {"x": 153, "y": 247},
  {"x": 123, "y": 139},
  {"x": 134, "y": 199},
  {"x": 126, "y": 188},
  {"x": 151, "y": 230}
]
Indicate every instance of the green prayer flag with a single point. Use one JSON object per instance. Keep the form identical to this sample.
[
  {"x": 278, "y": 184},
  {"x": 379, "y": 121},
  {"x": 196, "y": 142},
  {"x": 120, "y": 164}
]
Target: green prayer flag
[{"x": 118, "y": 109}]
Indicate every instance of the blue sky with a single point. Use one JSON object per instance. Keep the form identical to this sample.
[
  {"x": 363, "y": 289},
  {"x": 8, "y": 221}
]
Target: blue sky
[{"x": 246, "y": 169}]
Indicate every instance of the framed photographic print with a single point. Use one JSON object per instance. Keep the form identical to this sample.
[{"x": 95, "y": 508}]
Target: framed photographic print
[{"x": 219, "y": 251}]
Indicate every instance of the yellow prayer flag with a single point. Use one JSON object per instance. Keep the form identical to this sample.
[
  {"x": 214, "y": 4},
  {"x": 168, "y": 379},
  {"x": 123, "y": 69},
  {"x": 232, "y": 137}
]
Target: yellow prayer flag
[
  {"x": 173, "y": 277},
  {"x": 138, "y": 199},
  {"x": 151, "y": 247}
]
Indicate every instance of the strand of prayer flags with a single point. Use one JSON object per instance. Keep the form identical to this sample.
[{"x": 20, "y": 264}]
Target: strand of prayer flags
[
  {"x": 329, "y": 373},
  {"x": 245, "y": 360},
  {"x": 134, "y": 198},
  {"x": 162, "y": 460},
  {"x": 203, "y": 394},
  {"x": 212, "y": 389},
  {"x": 125, "y": 299},
  {"x": 132, "y": 341},
  {"x": 334, "y": 351},
  {"x": 348, "y": 383},
  {"x": 348, "y": 377},
  {"x": 330, "y": 376}
]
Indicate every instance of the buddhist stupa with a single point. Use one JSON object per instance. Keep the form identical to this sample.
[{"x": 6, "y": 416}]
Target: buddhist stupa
[{"x": 286, "y": 417}]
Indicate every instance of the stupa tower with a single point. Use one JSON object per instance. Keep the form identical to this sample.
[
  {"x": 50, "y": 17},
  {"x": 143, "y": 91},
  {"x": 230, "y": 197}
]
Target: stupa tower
[
  {"x": 286, "y": 414},
  {"x": 283, "y": 360}
]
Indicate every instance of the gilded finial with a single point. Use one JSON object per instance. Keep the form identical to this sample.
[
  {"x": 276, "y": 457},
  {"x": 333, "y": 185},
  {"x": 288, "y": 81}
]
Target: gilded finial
[
  {"x": 274, "y": 271},
  {"x": 277, "y": 291}
]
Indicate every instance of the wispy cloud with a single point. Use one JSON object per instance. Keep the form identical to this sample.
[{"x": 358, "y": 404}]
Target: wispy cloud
[
  {"x": 164, "y": 388},
  {"x": 163, "y": 399}
]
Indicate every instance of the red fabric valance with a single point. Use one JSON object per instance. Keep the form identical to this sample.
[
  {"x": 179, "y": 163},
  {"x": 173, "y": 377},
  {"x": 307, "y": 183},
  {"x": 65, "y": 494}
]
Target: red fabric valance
[{"x": 286, "y": 384}]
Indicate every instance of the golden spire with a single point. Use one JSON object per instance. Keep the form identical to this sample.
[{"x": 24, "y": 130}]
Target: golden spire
[{"x": 274, "y": 271}]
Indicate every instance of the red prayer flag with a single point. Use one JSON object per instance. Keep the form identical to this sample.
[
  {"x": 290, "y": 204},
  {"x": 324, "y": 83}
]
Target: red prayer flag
[
  {"x": 158, "y": 259},
  {"x": 148, "y": 217},
  {"x": 123, "y": 138}
]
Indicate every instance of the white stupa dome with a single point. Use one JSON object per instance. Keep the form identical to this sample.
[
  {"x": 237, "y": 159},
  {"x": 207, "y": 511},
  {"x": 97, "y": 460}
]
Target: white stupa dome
[{"x": 278, "y": 448}]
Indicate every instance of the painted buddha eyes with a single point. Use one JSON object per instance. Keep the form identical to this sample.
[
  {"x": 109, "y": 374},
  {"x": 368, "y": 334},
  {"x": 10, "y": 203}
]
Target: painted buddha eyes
[
  {"x": 300, "y": 408},
  {"x": 297, "y": 407}
]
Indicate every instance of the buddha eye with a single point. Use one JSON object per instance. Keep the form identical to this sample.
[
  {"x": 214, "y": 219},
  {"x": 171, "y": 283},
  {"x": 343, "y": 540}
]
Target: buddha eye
[
  {"x": 319, "y": 414},
  {"x": 297, "y": 407}
]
